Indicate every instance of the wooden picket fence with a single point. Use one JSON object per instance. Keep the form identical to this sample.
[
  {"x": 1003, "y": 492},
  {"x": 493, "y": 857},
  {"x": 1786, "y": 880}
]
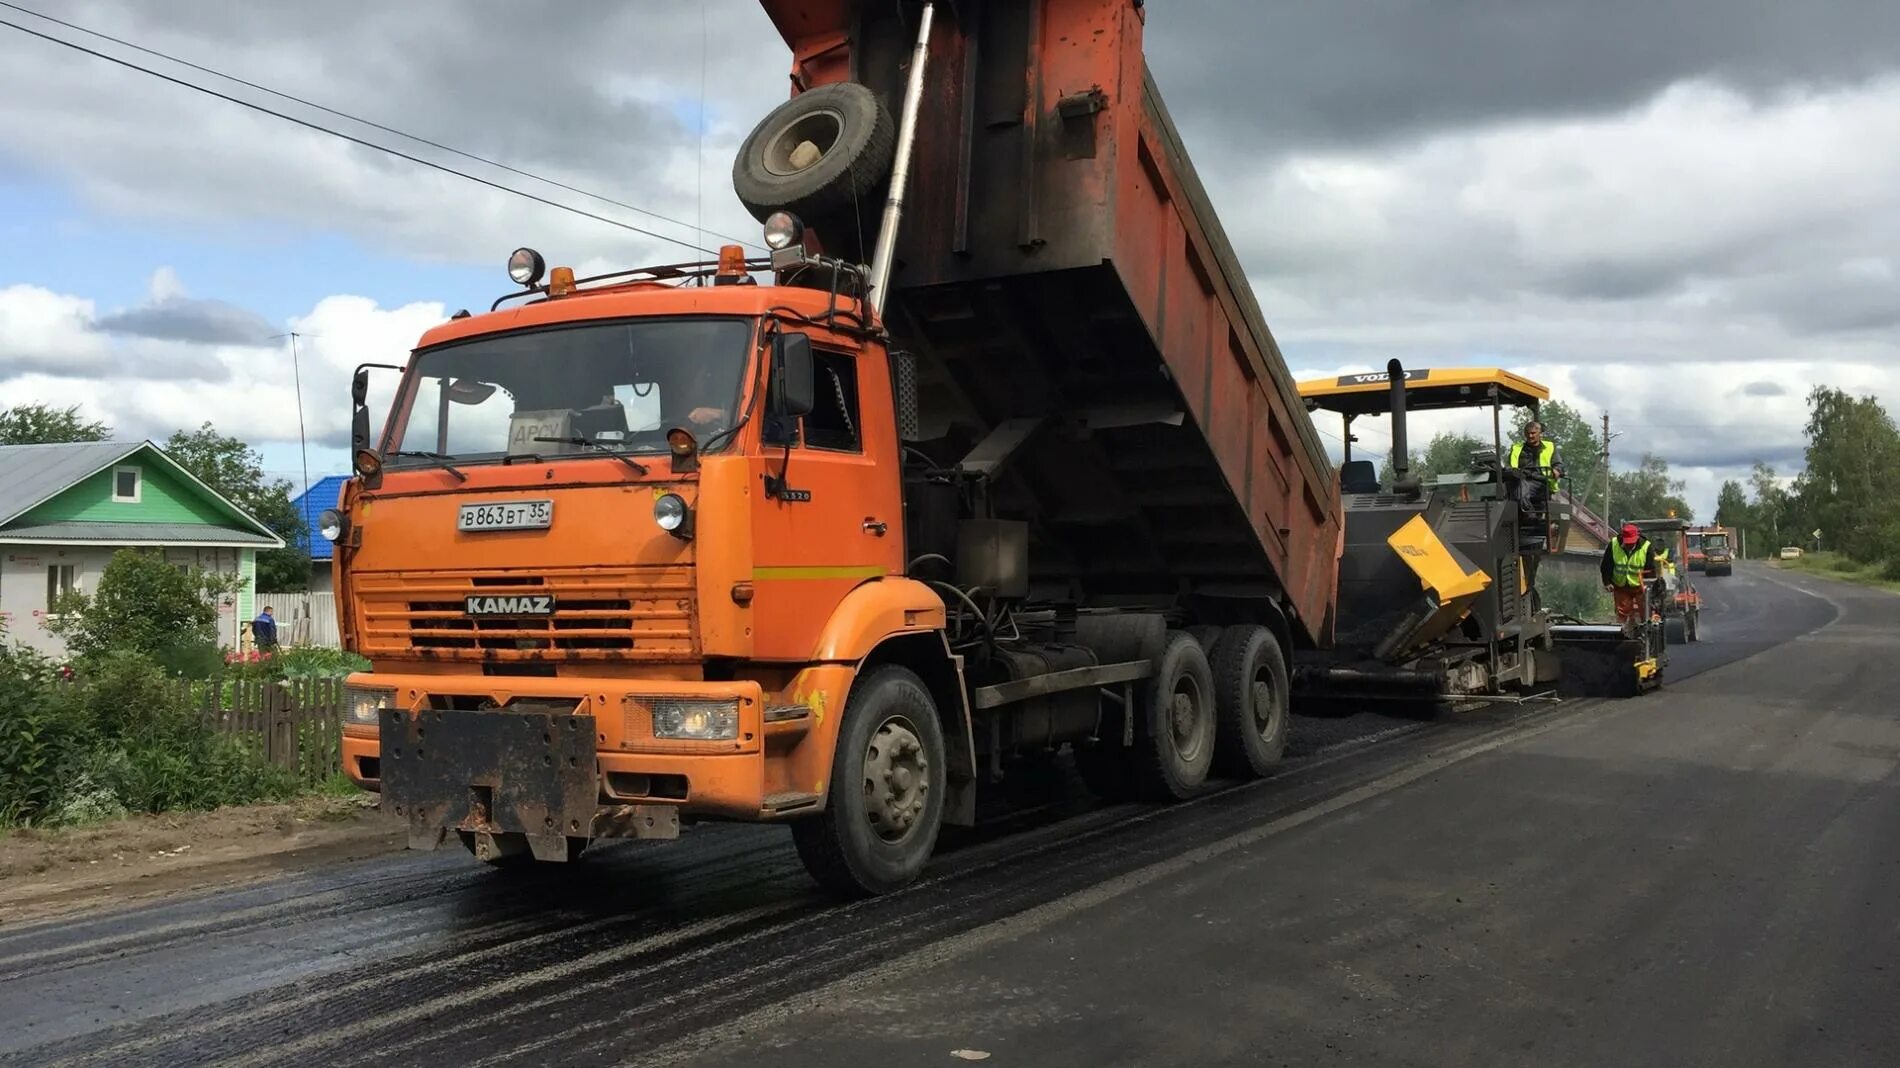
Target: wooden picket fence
[{"x": 296, "y": 724}]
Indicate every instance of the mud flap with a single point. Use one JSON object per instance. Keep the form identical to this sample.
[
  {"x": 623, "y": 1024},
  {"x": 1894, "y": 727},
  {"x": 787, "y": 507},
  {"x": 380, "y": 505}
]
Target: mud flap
[{"x": 491, "y": 773}]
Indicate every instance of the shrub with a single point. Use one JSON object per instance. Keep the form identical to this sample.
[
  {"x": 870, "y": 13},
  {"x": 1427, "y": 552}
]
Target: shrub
[
  {"x": 123, "y": 737},
  {"x": 43, "y": 733},
  {"x": 1577, "y": 596},
  {"x": 294, "y": 662},
  {"x": 159, "y": 753}
]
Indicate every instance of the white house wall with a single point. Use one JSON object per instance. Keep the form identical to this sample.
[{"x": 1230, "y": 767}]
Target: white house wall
[{"x": 23, "y": 586}]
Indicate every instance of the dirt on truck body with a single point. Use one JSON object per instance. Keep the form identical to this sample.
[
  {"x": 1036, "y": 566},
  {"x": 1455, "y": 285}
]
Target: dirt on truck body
[{"x": 795, "y": 539}]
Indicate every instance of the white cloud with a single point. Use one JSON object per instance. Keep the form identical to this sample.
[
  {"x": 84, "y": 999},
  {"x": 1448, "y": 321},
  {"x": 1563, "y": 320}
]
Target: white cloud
[
  {"x": 1693, "y": 265},
  {"x": 511, "y": 85},
  {"x": 1688, "y": 256},
  {"x": 249, "y": 392},
  {"x": 48, "y": 332}
]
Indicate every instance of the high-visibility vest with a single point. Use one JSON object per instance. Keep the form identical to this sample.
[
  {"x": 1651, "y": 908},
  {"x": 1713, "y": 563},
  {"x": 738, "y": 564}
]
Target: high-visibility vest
[
  {"x": 1545, "y": 449},
  {"x": 1626, "y": 568}
]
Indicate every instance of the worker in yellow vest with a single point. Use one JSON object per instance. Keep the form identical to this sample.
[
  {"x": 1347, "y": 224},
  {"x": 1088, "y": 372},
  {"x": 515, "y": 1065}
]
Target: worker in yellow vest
[
  {"x": 1537, "y": 457},
  {"x": 1626, "y": 565},
  {"x": 1540, "y": 469}
]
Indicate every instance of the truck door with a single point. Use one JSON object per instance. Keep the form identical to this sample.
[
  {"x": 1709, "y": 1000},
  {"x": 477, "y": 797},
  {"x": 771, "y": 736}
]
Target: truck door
[{"x": 841, "y": 523}]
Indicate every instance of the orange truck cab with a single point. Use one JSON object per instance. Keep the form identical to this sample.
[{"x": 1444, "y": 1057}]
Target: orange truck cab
[
  {"x": 1709, "y": 550},
  {"x": 748, "y": 540}
]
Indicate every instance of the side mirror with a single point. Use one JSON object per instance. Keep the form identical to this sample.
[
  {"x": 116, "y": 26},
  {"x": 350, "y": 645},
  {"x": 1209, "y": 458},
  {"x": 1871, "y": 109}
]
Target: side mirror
[
  {"x": 794, "y": 387},
  {"x": 359, "y": 411}
]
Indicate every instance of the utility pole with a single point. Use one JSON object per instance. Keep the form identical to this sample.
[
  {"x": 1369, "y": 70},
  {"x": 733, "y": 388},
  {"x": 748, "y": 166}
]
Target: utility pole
[
  {"x": 1604, "y": 458},
  {"x": 303, "y": 442}
]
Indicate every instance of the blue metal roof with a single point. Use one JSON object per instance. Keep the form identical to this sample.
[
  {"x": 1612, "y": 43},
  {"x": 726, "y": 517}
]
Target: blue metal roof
[{"x": 324, "y": 493}]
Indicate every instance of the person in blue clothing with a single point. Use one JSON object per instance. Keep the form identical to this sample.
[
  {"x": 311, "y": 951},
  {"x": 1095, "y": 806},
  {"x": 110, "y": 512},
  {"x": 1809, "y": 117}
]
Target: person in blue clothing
[{"x": 264, "y": 630}]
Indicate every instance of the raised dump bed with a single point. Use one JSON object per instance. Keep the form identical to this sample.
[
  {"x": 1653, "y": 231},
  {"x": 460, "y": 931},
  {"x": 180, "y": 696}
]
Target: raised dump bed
[{"x": 1075, "y": 302}]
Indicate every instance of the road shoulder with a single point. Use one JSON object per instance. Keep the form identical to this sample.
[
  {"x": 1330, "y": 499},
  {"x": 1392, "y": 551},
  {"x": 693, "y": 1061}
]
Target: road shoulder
[{"x": 62, "y": 872}]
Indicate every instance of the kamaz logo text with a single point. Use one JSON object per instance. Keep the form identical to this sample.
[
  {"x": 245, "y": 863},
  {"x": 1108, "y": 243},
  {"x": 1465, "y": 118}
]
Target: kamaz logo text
[{"x": 533, "y": 604}]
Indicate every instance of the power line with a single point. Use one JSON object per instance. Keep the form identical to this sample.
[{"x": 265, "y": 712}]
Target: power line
[
  {"x": 369, "y": 122},
  {"x": 320, "y": 128}
]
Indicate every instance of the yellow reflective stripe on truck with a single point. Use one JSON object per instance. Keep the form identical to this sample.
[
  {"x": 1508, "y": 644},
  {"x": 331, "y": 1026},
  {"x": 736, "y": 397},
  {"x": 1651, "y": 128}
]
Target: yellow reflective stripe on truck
[{"x": 862, "y": 571}]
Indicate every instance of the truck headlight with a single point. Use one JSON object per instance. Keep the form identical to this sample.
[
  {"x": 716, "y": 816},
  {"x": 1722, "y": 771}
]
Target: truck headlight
[
  {"x": 362, "y": 704},
  {"x": 695, "y": 720},
  {"x": 330, "y": 524},
  {"x": 672, "y": 515},
  {"x": 783, "y": 230}
]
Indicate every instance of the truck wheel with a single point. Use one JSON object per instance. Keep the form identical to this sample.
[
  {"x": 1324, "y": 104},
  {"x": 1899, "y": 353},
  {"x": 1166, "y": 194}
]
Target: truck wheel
[
  {"x": 1174, "y": 742},
  {"x": 817, "y": 154},
  {"x": 887, "y": 790},
  {"x": 1207, "y": 636},
  {"x": 1250, "y": 701}
]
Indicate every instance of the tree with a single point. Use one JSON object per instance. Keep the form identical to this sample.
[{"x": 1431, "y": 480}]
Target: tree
[
  {"x": 1648, "y": 492},
  {"x": 1852, "y": 485},
  {"x": 1448, "y": 453},
  {"x": 235, "y": 470},
  {"x": 1770, "y": 508},
  {"x": 1578, "y": 444},
  {"x": 41, "y": 424},
  {"x": 1731, "y": 506}
]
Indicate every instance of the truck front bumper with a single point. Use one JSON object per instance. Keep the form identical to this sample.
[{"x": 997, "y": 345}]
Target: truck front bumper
[{"x": 559, "y": 758}]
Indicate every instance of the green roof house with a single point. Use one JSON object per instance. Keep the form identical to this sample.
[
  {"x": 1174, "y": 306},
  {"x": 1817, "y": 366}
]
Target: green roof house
[{"x": 65, "y": 509}]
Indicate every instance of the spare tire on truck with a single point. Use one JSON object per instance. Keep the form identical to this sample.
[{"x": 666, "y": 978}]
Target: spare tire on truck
[{"x": 819, "y": 154}]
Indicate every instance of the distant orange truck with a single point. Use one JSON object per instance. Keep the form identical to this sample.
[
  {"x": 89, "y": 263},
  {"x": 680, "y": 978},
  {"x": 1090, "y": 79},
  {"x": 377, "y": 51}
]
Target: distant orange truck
[
  {"x": 679, "y": 544},
  {"x": 1709, "y": 550}
]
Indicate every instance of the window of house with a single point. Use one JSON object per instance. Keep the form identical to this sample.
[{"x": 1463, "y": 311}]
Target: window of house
[
  {"x": 833, "y": 421},
  {"x": 126, "y": 484},
  {"x": 60, "y": 580}
]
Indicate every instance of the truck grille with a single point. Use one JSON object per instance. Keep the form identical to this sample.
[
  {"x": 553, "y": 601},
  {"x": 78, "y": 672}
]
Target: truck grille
[{"x": 642, "y": 614}]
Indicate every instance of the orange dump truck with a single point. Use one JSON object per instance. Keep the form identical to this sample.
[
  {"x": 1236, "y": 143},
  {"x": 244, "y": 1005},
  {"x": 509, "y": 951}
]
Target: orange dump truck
[{"x": 746, "y": 540}]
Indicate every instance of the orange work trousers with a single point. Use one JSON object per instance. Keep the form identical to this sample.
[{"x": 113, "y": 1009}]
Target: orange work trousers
[{"x": 1629, "y": 604}]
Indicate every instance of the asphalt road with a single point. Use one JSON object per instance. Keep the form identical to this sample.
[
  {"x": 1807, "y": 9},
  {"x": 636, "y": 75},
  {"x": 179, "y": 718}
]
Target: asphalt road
[{"x": 1705, "y": 875}]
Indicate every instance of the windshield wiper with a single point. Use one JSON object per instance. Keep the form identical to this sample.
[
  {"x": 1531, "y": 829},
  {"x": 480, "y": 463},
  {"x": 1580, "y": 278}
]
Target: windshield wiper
[
  {"x": 440, "y": 461},
  {"x": 589, "y": 443}
]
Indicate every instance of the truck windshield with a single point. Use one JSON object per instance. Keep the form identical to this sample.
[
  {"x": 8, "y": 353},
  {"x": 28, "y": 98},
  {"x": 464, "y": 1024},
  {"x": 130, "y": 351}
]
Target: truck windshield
[
  {"x": 618, "y": 386},
  {"x": 1715, "y": 543}
]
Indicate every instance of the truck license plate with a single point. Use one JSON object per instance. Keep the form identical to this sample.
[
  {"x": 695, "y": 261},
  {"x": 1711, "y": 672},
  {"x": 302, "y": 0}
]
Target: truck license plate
[{"x": 506, "y": 515}]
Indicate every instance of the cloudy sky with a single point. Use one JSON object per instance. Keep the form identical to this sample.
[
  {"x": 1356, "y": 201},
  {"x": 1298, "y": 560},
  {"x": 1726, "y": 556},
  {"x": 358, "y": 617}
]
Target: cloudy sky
[{"x": 1684, "y": 214}]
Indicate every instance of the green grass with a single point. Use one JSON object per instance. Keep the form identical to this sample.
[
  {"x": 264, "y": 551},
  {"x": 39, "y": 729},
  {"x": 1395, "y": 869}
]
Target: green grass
[
  {"x": 335, "y": 784},
  {"x": 1837, "y": 566},
  {"x": 1578, "y": 596}
]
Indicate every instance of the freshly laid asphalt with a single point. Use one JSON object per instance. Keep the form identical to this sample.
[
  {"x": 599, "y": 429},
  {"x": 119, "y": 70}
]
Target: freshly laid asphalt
[{"x": 1704, "y": 875}]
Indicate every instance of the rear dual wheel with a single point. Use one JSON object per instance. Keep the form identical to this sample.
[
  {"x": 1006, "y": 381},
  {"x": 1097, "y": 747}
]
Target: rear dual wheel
[
  {"x": 1174, "y": 743},
  {"x": 1174, "y": 732},
  {"x": 1251, "y": 694}
]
